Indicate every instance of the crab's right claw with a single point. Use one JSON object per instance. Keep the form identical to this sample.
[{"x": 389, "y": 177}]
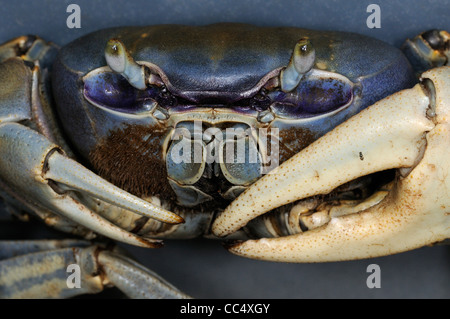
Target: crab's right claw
[{"x": 408, "y": 131}]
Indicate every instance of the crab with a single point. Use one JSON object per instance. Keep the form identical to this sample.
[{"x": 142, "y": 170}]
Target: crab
[{"x": 293, "y": 145}]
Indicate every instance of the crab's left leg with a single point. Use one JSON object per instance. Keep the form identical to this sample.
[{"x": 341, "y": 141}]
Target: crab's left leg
[
  {"x": 408, "y": 131},
  {"x": 43, "y": 268}
]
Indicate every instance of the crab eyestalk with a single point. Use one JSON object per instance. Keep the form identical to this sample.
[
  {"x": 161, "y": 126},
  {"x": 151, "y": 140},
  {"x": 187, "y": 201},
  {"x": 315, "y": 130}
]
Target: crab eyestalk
[
  {"x": 395, "y": 133},
  {"x": 120, "y": 61},
  {"x": 302, "y": 60}
]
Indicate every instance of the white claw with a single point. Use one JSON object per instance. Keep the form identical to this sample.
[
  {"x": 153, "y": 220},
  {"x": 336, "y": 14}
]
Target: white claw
[
  {"x": 31, "y": 164},
  {"x": 77, "y": 212},
  {"x": 390, "y": 134},
  {"x": 62, "y": 169}
]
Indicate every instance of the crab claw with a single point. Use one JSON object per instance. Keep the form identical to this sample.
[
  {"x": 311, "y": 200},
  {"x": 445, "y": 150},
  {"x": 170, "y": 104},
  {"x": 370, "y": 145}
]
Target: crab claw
[
  {"x": 34, "y": 166},
  {"x": 408, "y": 131}
]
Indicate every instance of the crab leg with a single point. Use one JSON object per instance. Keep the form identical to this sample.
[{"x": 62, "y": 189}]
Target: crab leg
[
  {"x": 43, "y": 275},
  {"x": 10, "y": 249},
  {"x": 40, "y": 269},
  {"x": 397, "y": 133},
  {"x": 134, "y": 280}
]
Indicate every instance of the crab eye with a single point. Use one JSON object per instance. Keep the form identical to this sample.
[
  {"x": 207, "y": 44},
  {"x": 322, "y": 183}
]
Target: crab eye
[
  {"x": 112, "y": 91},
  {"x": 313, "y": 96}
]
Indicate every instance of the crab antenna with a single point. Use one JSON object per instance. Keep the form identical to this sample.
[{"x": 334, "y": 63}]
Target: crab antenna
[
  {"x": 120, "y": 61},
  {"x": 302, "y": 60}
]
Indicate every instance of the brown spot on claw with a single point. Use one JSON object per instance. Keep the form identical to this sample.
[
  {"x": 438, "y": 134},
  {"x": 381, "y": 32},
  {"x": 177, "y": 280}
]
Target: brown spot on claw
[{"x": 229, "y": 244}]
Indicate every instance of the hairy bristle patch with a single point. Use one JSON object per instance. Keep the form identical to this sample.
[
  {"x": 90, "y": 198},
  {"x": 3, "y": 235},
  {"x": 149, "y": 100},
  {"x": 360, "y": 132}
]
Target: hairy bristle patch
[{"x": 131, "y": 158}]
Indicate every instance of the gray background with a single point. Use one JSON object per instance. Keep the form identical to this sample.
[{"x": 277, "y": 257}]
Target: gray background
[{"x": 203, "y": 268}]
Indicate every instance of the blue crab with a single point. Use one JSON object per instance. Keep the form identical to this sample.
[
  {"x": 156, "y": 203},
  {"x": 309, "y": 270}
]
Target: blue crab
[{"x": 133, "y": 134}]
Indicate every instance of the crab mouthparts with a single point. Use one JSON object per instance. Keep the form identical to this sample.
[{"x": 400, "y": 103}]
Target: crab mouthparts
[{"x": 391, "y": 134}]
